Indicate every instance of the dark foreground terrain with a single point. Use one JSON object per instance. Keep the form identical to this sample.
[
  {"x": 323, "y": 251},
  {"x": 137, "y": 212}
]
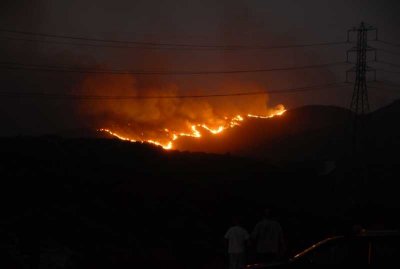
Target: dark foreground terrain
[
  {"x": 105, "y": 203},
  {"x": 100, "y": 203}
]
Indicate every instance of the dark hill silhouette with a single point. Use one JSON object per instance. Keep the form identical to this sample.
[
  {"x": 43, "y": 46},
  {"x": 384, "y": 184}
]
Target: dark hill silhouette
[
  {"x": 305, "y": 134},
  {"x": 384, "y": 133},
  {"x": 84, "y": 132},
  {"x": 311, "y": 132},
  {"x": 302, "y": 134},
  {"x": 106, "y": 202}
]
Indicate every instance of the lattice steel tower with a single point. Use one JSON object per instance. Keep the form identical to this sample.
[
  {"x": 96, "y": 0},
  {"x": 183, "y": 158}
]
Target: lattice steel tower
[{"x": 359, "y": 101}]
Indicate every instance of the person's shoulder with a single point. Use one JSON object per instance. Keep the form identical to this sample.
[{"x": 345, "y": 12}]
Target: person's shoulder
[
  {"x": 229, "y": 232},
  {"x": 245, "y": 232},
  {"x": 276, "y": 222}
]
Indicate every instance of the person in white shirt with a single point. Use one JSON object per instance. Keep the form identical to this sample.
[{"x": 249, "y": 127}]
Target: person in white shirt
[
  {"x": 237, "y": 238},
  {"x": 267, "y": 236}
]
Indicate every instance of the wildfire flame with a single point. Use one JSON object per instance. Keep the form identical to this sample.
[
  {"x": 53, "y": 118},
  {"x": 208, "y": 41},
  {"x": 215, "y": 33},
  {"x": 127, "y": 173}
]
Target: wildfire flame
[
  {"x": 148, "y": 117},
  {"x": 195, "y": 129}
]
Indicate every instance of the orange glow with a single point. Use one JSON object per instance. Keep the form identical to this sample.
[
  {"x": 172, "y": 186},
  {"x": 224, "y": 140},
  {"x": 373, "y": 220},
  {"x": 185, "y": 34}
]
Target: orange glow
[
  {"x": 196, "y": 130},
  {"x": 214, "y": 131},
  {"x": 278, "y": 112},
  {"x": 164, "y": 146},
  {"x": 172, "y": 122}
]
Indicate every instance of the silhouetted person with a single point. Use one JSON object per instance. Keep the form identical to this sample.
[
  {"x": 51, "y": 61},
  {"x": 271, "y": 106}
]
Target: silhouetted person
[
  {"x": 237, "y": 238},
  {"x": 267, "y": 236}
]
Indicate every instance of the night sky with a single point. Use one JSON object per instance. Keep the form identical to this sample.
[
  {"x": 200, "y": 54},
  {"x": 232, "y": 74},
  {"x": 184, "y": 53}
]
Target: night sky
[{"x": 233, "y": 22}]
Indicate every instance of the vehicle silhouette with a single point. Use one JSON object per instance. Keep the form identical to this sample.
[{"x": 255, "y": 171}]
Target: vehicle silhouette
[{"x": 362, "y": 250}]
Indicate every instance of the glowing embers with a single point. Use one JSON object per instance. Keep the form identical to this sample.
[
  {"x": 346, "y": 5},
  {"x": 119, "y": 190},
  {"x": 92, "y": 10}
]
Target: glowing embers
[{"x": 164, "y": 146}]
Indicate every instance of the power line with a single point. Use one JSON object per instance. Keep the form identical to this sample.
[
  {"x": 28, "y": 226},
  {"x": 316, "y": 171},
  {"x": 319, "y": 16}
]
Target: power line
[
  {"x": 158, "y": 45},
  {"x": 388, "y": 89},
  {"x": 388, "y": 43},
  {"x": 21, "y": 66},
  {"x": 126, "y": 46},
  {"x": 127, "y": 97},
  {"x": 389, "y": 52},
  {"x": 385, "y": 87},
  {"x": 388, "y": 71},
  {"x": 176, "y": 48},
  {"x": 389, "y": 83},
  {"x": 389, "y": 63},
  {"x": 102, "y": 46},
  {"x": 388, "y": 86}
]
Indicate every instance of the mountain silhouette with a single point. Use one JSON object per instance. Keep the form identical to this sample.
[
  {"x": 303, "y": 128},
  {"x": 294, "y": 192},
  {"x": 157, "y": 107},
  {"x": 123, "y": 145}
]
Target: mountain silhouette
[{"x": 304, "y": 134}]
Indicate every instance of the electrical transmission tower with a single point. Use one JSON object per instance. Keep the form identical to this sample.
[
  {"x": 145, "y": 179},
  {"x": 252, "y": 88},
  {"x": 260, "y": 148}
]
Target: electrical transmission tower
[
  {"x": 359, "y": 101},
  {"x": 359, "y": 187}
]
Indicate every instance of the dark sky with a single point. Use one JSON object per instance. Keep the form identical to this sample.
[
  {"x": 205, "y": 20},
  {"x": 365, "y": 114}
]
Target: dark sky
[{"x": 234, "y": 22}]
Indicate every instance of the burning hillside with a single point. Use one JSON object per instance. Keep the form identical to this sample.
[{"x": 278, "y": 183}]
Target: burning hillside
[
  {"x": 196, "y": 131},
  {"x": 166, "y": 119}
]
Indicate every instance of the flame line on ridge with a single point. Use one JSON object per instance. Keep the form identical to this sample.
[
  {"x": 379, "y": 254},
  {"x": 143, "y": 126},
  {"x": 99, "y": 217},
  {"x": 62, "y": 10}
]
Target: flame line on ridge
[{"x": 233, "y": 122}]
